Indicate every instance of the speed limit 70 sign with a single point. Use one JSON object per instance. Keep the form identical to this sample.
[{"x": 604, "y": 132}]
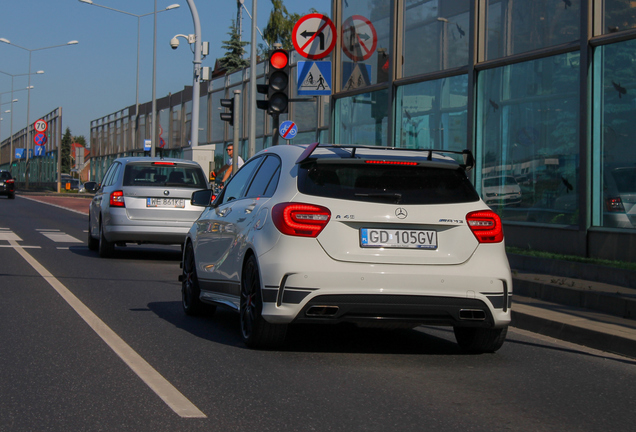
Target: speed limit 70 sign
[{"x": 41, "y": 126}]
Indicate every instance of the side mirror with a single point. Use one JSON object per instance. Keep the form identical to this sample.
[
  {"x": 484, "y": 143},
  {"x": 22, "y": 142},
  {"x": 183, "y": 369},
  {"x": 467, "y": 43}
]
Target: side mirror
[
  {"x": 91, "y": 186},
  {"x": 202, "y": 198}
]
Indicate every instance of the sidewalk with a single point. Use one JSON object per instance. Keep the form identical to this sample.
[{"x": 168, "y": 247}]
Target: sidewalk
[{"x": 589, "y": 305}]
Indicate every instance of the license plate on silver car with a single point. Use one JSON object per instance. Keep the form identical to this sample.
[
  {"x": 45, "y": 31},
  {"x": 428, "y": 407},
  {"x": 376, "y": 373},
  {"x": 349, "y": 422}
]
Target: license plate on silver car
[
  {"x": 165, "y": 202},
  {"x": 408, "y": 239}
]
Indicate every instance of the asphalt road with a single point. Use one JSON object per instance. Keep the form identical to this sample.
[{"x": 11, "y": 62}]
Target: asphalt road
[{"x": 88, "y": 344}]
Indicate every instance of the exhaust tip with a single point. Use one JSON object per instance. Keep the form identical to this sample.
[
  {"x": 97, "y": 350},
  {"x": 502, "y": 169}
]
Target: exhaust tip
[
  {"x": 322, "y": 311},
  {"x": 472, "y": 315}
]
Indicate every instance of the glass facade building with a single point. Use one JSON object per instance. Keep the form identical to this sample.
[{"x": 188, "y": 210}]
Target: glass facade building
[{"x": 543, "y": 93}]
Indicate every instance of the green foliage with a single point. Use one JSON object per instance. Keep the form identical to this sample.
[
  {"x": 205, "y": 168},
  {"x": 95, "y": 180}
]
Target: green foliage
[
  {"x": 235, "y": 50},
  {"x": 67, "y": 140},
  {"x": 280, "y": 25}
]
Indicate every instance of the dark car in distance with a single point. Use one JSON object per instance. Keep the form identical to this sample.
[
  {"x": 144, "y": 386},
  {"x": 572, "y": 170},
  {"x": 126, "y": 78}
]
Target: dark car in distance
[{"x": 7, "y": 184}]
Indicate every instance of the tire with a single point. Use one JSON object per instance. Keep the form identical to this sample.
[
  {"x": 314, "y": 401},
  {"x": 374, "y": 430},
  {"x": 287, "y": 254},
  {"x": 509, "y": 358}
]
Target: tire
[
  {"x": 480, "y": 340},
  {"x": 255, "y": 331},
  {"x": 190, "y": 290},
  {"x": 93, "y": 243},
  {"x": 105, "y": 248}
]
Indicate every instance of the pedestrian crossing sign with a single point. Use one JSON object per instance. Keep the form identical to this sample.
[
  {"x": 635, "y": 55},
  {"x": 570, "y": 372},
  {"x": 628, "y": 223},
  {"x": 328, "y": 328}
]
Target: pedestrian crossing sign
[{"x": 314, "y": 78}]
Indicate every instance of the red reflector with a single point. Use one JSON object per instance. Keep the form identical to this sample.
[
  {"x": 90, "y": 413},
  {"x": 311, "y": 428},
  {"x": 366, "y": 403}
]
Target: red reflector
[
  {"x": 296, "y": 219},
  {"x": 117, "y": 199},
  {"x": 279, "y": 60},
  {"x": 486, "y": 226},
  {"x": 164, "y": 163},
  {"x": 382, "y": 162}
]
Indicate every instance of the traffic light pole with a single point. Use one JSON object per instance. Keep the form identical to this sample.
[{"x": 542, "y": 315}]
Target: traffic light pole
[{"x": 237, "y": 150}]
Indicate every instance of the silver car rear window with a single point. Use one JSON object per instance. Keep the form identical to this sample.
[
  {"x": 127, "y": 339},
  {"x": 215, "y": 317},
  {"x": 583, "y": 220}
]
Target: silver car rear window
[
  {"x": 386, "y": 184},
  {"x": 151, "y": 174}
]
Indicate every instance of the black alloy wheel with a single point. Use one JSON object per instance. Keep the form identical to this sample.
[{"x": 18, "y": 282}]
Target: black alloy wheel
[
  {"x": 190, "y": 290},
  {"x": 255, "y": 331},
  {"x": 478, "y": 340}
]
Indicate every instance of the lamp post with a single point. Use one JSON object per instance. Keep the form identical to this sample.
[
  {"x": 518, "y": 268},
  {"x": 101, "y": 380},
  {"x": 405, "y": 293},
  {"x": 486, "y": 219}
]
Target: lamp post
[
  {"x": 28, "y": 88},
  {"x": 73, "y": 42},
  {"x": 6, "y": 112},
  {"x": 154, "y": 65}
]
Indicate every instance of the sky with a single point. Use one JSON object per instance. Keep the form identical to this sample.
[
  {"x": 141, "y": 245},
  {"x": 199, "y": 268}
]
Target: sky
[{"x": 97, "y": 76}]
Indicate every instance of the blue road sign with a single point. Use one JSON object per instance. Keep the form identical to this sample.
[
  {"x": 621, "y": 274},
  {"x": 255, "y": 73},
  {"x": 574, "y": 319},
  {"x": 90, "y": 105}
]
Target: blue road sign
[
  {"x": 40, "y": 150},
  {"x": 19, "y": 153},
  {"x": 30, "y": 153},
  {"x": 314, "y": 78},
  {"x": 147, "y": 145},
  {"x": 288, "y": 130}
]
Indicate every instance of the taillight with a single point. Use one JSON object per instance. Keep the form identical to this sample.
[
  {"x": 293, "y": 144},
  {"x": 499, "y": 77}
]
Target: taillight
[
  {"x": 296, "y": 219},
  {"x": 614, "y": 205},
  {"x": 117, "y": 199},
  {"x": 10, "y": 181},
  {"x": 486, "y": 226}
]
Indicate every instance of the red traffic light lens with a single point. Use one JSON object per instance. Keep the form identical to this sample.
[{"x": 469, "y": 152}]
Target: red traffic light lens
[{"x": 278, "y": 59}]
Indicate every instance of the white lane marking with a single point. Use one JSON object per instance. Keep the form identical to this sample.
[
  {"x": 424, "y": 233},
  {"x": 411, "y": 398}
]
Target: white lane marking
[
  {"x": 60, "y": 237},
  {"x": 62, "y": 247},
  {"x": 23, "y": 247},
  {"x": 46, "y": 229},
  {"x": 9, "y": 236},
  {"x": 54, "y": 205},
  {"x": 153, "y": 379}
]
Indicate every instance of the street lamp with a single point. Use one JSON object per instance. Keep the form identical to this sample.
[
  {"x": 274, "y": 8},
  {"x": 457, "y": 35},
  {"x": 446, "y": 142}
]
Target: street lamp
[
  {"x": 73, "y": 42},
  {"x": 154, "y": 66},
  {"x": 28, "y": 88}
]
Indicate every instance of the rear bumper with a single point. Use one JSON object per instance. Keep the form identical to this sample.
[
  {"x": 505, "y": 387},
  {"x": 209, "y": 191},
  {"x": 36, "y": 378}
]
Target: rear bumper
[
  {"x": 433, "y": 294},
  {"x": 389, "y": 309},
  {"x": 119, "y": 228},
  {"x": 146, "y": 234}
]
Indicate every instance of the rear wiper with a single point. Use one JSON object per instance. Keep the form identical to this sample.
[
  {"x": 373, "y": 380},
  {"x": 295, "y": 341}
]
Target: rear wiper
[{"x": 396, "y": 196}]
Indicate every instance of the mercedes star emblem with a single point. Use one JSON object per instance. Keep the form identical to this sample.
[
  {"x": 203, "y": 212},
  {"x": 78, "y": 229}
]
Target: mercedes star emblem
[{"x": 401, "y": 213}]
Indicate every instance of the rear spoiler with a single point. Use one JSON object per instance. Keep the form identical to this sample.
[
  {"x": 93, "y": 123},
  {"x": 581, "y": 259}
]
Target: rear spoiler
[{"x": 468, "y": 158}]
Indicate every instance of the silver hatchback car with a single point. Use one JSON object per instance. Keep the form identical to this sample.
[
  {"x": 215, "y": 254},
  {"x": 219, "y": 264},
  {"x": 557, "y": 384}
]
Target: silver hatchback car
[{"x": 144, "y": 200}]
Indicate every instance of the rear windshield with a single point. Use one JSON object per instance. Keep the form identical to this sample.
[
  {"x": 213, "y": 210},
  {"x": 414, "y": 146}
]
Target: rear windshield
[
  {"x": 5, "y": 175},
  {"x": 625, "y": 179},
  {"x": 147, "y": 174},
  {"x": 386, "y": 184}
]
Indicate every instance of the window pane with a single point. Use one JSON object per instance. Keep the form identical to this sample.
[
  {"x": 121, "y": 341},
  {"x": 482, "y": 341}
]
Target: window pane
[
  {"x": 528, "y": 129},
  {"x": 614, "y": 173},
  {"x": 520, "y": 26},
  {"x": 444, "y": 25},
  {"x": 203, "y": 120},
  {"x": 363, "y": 119},
  {"x": 618, "y": 15},
  {"x": 365, "y": 42},
  {"x": 433, "y": 114}
]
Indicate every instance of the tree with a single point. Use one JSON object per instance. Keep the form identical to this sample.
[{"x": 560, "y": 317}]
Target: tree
[
  {"x": 280, "y": 25},
  {"x": 235, "y": 50},
  {"x": 67, "y": 140}
]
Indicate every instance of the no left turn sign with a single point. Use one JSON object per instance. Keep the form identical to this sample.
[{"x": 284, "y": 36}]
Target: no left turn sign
[
  {"x": 314, "y": 36},
  {"x": 359, "y": 38}
]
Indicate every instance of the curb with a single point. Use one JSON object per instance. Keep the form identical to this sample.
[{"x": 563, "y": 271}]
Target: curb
[{"x": 569, "y": 332}]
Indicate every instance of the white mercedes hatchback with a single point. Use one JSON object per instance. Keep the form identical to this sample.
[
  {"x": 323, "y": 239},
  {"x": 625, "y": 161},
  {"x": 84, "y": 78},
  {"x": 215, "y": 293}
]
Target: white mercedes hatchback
[{"x": 334, "y": 233}]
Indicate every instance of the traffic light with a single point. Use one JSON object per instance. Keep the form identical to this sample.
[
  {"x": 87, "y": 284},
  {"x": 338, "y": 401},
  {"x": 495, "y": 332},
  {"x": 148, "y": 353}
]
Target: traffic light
[
  {"x": 277, "y": 87},
  {"x": 228, "y": 116}
]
